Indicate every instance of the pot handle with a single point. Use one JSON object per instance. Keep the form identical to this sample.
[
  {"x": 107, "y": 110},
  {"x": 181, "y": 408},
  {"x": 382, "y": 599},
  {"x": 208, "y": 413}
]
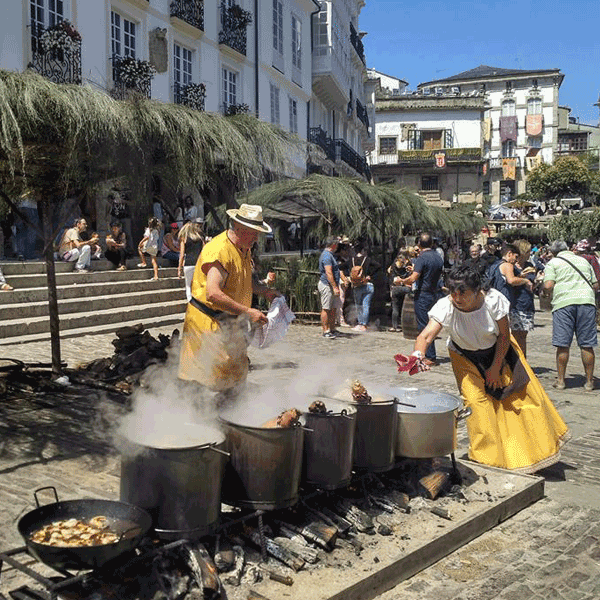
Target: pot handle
[
  {"x": 219, "y": 451},
  {"x": 47, "y": 487},
  {"x": 463, "y": 413}
]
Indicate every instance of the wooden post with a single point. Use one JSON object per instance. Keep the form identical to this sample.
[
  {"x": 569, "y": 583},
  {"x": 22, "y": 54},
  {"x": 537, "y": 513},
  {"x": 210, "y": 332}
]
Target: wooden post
[{"x": 52, "y": 292}]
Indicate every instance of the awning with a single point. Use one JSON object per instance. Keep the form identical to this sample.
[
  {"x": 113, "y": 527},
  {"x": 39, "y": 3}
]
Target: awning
[{"x": 292, "y": 210}]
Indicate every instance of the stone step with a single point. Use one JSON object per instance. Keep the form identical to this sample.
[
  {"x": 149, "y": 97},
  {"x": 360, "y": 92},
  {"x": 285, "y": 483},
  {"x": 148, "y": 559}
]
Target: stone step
[
  {"x": 95, "y": 288},
  {"x": 175, "y": 319},
  {"x": 30, "y": 310},
  {"x": 38, "y": 280},
  {"x": 37, "y": 325}
]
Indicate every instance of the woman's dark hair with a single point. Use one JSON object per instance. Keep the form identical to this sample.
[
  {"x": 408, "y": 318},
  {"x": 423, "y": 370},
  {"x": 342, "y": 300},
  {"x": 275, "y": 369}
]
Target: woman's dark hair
[
  {"x": 464, "y": 277},
  {"x": 116, "y": 224}
]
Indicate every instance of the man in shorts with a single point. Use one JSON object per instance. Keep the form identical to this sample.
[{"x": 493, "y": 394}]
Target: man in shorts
[
  {"x": 329, "y": 287},
  {"x": 573, "y": 284}
]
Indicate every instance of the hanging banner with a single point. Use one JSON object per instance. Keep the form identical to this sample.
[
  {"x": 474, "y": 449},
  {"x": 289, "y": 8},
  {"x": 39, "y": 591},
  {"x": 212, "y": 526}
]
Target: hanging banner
[
  {"x": 534, "y": 124},
  {"x": 508, "y": 128},
  {"x": 440, "y": 159},
  {"x": 509, "y": 168},
  {"x": 486, "y": 126}
]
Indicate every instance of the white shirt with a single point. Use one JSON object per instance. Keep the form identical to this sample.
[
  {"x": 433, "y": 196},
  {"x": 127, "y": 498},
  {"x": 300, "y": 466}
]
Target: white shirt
[{"x": 476, "y": 330}]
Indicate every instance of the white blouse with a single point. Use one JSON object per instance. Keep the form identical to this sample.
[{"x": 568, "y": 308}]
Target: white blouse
[{"x": 475, "y": 330}]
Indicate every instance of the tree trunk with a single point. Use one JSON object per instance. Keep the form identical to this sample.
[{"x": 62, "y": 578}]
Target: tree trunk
[{"x": 52, "y": 293}]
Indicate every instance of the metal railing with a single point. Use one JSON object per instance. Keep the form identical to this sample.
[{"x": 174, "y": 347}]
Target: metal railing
[
  {"x": 317, "y": 136},
  {"x": 125, "y": 88},
  {"x": 182, "y": 95},
  {"x": 348, "y": 155},
  {"x": 190, "y": 11},
  {"x": 234, "y": 22},
  {"x": 357, "y": 44},
  {"x": 361, "y": 113},
  {"x": 57, "y": 65}
]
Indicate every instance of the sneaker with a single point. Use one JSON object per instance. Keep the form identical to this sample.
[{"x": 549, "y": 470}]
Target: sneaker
[
  {"x": 329, "y": 335},
  {"x": 359, "y": 328},
  {"x": 82, "y": 270}
]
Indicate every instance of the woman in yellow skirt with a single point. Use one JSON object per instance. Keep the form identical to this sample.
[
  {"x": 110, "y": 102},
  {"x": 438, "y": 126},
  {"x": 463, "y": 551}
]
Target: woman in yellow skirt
[{"x": 513, "y": 424}]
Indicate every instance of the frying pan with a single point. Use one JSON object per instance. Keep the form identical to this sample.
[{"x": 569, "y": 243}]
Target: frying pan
[{"x": 126, "y": 520}]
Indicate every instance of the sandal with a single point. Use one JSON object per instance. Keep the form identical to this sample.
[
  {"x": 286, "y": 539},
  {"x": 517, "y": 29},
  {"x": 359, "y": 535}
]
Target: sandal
[
  {"x": 6, "y": 288},
  {"x": 142, "y": 265}
]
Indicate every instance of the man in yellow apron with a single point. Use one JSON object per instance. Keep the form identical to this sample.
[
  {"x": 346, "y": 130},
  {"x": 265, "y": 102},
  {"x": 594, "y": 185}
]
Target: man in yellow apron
[{"x": 214, "y": 339}]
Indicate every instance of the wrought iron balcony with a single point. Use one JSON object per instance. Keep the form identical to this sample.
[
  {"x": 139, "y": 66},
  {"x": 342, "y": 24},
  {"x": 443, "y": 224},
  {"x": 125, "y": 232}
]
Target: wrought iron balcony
[
  {"x": 347, "y": 154},
  {"x": 190, "y": 11},
  {"x": 234, "y": 23},
  {"x": 235, "y": 109},
  {"x": 318, "y": 137},
  {"x": 192, "y": 95},
  {"x": 56, "y": 52},
  {"x": 361, "y": 113},
  {"x": 453, "y": 155},
  {"x": 131, "y": 77},
  {"x": 357, "y": 44}
]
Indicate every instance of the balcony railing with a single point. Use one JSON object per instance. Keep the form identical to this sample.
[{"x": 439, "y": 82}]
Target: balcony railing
[
  {"x": 361, "y": 113},
  {"x": 56, "y": 53},
  {"x": 190, "y": 11},
  {"x": 357, "y": 44},
  {"x": 453, "y": 155},
  {"x": 192, "y": 95},
  {"x": 234, "y": 22},
  {"x": 131, "y": 77},
  {"x": 348, "y": 155},
  {"x": 318, "y": 137}
]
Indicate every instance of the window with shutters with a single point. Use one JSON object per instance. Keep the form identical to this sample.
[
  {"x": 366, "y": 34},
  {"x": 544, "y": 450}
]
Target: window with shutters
[
  {"x": 44, "y": 14},
  {"x": 509, "y": 108},
  {"x": 508, "y": 149},
  {"x": 182, "y": 65},
  {"x": 296, "y": 42},
  {"x": 278, "y": 35},
  {"x": 321, "y": 32},
  {"x": 293, "y": 115},
  {"x": 387, "y": 145},
  {"x": 229, "y": 83},
  {"x": 274, "y": 104},
  {"x": 534, "y": 106}
]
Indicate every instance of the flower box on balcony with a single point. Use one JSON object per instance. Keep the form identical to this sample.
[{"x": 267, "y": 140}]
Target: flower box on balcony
[{"x": 132, "y": 75}]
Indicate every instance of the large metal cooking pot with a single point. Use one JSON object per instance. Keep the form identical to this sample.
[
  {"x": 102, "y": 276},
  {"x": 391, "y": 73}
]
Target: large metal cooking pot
[
  {"x": 177, "y": 479},
  {"x": 427, "y": 429},
  {"x": 375, "y": 438},
  {"x": 129, "y": 522},
  {"x": 328, "y": 445},
  {"x": 264, "y": 469}
]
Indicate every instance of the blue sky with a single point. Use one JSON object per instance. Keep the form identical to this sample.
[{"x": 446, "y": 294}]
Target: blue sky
[{"x": 424, "y": 40}]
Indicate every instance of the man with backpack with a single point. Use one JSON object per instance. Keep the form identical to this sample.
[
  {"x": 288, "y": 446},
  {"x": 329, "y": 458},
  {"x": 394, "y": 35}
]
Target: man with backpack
[{"x": 427, "y": 270}]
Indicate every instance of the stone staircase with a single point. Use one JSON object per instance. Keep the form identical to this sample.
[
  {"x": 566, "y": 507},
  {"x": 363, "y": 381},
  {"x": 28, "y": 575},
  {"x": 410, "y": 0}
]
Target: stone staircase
[{"x": 88, "y": 303}]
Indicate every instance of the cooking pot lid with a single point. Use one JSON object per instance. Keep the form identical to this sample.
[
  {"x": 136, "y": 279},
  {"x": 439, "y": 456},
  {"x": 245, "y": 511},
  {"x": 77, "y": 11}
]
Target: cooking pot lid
[
  {"x": 425, "y": 401},
  {"x": 184, "y": 436}
]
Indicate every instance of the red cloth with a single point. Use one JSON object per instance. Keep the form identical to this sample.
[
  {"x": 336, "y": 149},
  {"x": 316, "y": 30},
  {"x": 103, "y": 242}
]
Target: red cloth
[{"x": 412, "y": 364}]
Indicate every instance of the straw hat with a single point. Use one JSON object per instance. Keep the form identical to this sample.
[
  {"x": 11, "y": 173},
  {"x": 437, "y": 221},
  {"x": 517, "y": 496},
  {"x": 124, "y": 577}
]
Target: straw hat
[{"x": 249, "y": 215}]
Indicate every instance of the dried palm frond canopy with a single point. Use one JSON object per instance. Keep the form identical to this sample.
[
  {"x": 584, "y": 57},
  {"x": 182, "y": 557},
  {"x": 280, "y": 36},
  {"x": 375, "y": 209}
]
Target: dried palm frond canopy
[
  {"x": 91, "y": 133},
  {"x": 357, "y": 207}
]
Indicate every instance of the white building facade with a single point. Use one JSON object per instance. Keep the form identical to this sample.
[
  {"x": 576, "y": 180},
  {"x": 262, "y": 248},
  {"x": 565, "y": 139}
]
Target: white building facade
[
  {"x": 519, "y": 125},
  {"x": 428, "y": 144},
  {"x": 339, "y": 121},
  {"x": 222, "y": 56}
]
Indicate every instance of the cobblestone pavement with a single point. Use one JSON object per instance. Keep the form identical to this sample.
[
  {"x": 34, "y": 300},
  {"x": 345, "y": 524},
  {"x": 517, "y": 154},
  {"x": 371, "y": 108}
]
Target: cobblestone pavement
[{"x": 549, "y": 550}]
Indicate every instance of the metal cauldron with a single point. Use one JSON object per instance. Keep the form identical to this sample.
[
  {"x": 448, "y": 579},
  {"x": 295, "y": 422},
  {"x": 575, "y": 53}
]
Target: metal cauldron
[
  {"x": 375, "y": 438},
  {"x": 177, "y": 479},
  {"x": 329, "y": 445},
  {"x": 265, "y": 466},
  {"x": 429, "y": 428}
]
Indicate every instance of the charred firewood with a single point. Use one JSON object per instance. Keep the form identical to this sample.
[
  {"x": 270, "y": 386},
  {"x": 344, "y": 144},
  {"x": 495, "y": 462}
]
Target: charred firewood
[
  {"x": 306, "y": 553},
  {"x": 351, "y": 543},
  {"x": 401, "y": 500},
  {"x": 441, "y": 512},
  {"x": 359, "y": 393},
  {"x": 318, "y": 407},
  {"x": 342, "y": 524},
  {"x": 279, "y": 577},
  {"x": 238, "y": 567},
  {"x": 204, "y": 570},
  {"x": 359, "y": 519},
  {"x": 434, "y": 484},
  {"x": 318, "y": 533},
  {"x": 277, "y": 551},
  {"x": 224, "y": 554}
]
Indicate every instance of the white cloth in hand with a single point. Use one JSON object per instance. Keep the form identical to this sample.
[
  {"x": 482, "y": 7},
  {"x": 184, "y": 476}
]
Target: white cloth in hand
[{"x": 279, "y": 318}]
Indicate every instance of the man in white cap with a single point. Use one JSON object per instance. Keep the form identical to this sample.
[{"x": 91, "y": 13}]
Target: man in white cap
[{"x": 213, "y": 343}]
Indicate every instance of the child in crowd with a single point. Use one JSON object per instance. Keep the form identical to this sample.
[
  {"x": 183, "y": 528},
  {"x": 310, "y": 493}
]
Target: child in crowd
[{"x": 149, "y": 245}]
